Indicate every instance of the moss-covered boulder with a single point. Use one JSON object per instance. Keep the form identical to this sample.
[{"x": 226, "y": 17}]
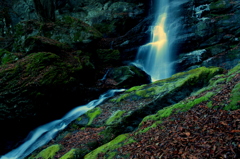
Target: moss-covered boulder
[
  {"x": 220, "y": 6},
  {"x": 48, "y": 153},
  {"x": 127, "y": 76},
  {"x": 7, "y": 57},
  {"x": 125, "y": 111},
  {"x": 176, "y": 130},
  {"x": 37, "y": 85},
  {"x": 108, "y": 57},
  {"x": 41, "y": 44}
]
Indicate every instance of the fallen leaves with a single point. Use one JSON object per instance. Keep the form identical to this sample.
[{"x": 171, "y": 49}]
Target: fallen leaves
[{"x": 201, "y": 132}]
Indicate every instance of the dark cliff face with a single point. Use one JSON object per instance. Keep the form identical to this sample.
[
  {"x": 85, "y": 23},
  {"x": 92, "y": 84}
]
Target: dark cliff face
[{"x": 207, "y": 34}]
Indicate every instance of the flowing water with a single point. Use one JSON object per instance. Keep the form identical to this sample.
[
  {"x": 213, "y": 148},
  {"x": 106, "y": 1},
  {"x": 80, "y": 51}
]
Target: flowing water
[
  {"x": 47, "y": 132},
  {"x": 154, "y": 57}
]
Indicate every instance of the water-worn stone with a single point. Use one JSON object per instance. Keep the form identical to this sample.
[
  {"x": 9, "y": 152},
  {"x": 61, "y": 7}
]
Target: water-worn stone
[{"x": 128, "y": 76}]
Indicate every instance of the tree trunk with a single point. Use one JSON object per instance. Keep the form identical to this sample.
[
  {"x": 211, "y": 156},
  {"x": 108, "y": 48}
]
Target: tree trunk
[{"x": 45, "y": 10}]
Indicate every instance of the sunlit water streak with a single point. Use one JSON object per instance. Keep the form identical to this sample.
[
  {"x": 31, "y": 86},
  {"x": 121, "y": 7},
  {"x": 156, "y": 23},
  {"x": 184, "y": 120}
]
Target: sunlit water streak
[
  {"x": 47, "y": 132},
  {"x": 154, "y": 57}
]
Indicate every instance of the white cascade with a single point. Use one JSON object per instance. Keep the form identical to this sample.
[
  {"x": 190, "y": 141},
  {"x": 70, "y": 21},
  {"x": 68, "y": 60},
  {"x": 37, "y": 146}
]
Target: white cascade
[
  {"x": 47, "y": 132},
  {"x": 154, "y": 57}
]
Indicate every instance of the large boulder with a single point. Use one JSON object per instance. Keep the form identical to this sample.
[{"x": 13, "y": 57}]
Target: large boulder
[{"x": 127, "y": 76}]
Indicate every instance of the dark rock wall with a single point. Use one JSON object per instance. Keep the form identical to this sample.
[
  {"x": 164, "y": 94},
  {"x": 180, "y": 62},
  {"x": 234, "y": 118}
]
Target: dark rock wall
[{"x": 207, "y": 34}]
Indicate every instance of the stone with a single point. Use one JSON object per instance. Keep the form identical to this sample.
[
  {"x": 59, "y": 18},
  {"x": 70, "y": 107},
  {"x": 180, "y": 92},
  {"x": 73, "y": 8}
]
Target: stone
[{"x": 128, "y": 76}]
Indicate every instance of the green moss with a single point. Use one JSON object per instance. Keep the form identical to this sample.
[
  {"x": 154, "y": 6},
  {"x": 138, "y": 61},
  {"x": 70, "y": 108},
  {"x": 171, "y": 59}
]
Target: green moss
[
  {"x": 234, "y": 99},
  {"x": 79, "y": 119},
  {"x": 220, "y": 4},
  {"x": 108, "y": 56},
  {"x": 38, "y": 61},
  {"x": 115, "y": 117},
  {"x": 209, "y": 104},
  {"x": 92, "y": 114},
  {"x": 135, "y": 88},
  {"x": 181, "y": 106},
  {"x": 110, "y": 147},
  {"x": 152, "y": 91},
  {"x": 105, "y": 27},
  {"x": 154, "y": 125},
  {"x": 68, "y": 20},
  {"x": 219, "y": 79},
  {"x": 78, "y": 37},
  {"x": 7, "y": 57},
  {"x": 19, "y": 30},
  {"x": 48, "y": 153},
  {"x": 32, "y": 43},
  {"x": 72, "y": 154},
  {"x": 180, "y": 81},
  {"x": 120, "y": 98},
  {"x": 234, "y": 70}
]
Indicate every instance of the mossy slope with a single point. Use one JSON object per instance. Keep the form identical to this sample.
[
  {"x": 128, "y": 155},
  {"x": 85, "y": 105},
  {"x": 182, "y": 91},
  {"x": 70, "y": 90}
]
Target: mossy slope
[
  {"x": 211, "y": 96},
  {"x": 141, "y": 100},
  {"x": 124, "y": 112}
]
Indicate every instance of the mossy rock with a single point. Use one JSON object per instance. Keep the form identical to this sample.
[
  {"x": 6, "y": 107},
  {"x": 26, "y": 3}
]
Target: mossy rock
[
  {"x": 235, "y": 100},
  {"x": 146, "y": 99},
  {"x": 40, "y": 44},
  {"x": 219, "y": 6},
  {"x": 47, "y": 153},
  {"x": 38, "y": 84},
  {"x": 92, "y": 114},
  {"x": 115, "y": 117},
  {"x": 7, "y": 57},
  {"x": 72, "y": 154},
  {"x": 114, "y": 144},
  {"x": 108, "y": 57},
  {"x": 216, "y": 84},
  {"x": 128, "y": 76},
  {"x": 204, "y": 97},
  {"x": 192, "y": 79},
  {"x": 88, "y": 117}
]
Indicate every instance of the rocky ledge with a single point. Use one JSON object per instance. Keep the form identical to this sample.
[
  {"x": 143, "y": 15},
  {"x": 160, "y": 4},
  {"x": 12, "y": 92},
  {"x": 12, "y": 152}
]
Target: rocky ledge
[{"x": 191, "y": 114}]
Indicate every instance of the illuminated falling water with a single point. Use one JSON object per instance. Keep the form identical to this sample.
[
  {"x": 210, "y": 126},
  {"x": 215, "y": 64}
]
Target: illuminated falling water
[{"x": 154, "y": 57}]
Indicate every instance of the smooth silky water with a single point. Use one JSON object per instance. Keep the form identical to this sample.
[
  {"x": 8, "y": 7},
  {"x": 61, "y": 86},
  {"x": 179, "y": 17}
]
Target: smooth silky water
[
  {"x": 154, "y": 57},
  {"x": 47, "y": 132}
]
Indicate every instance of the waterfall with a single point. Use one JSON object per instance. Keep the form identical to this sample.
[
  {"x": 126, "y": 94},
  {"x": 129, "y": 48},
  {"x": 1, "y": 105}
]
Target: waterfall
[
  {"x": 154, "y": 57},
  {"x": 47, "y": 132}
]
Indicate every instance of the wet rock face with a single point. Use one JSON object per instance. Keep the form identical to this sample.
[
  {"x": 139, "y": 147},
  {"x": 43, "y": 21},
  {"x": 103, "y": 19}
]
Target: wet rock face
[{"x": 209, "y": 25}]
